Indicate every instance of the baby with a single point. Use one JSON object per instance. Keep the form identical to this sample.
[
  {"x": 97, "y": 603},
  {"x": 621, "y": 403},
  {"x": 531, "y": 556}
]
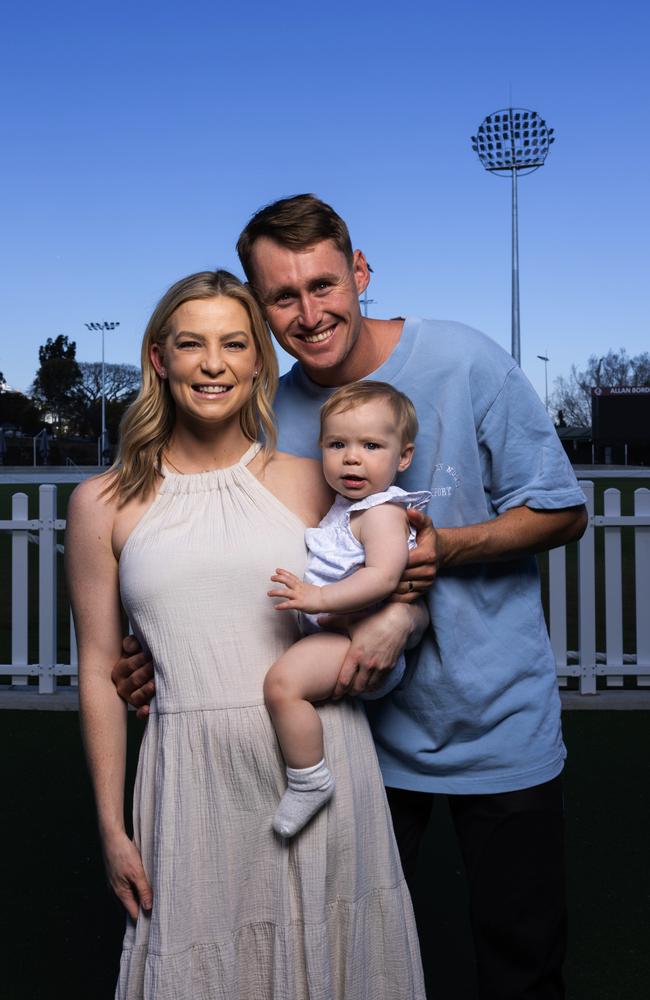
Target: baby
[{"x": 356, "y": 558}]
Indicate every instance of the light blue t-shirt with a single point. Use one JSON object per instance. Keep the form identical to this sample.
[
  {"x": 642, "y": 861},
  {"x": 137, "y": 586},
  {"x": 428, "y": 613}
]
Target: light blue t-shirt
[{"x": 478, "y": 710}]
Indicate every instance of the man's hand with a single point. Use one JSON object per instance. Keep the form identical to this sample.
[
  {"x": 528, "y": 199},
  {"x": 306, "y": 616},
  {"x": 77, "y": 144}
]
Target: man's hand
[
  {"x": 424, "y": 560},
  {"x": 377, "y": 641},
  {"x": 516, "y": 532},
  {"x": 296, "y": 594},
  {"x": 132, "y": 675}
]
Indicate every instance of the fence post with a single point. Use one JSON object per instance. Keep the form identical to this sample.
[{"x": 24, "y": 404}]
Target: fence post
[
  {"x": 587, "y": 599},
  {"x": 642, "y": 588},
  {"x": 613, "y": 588},
  {"x": 19, "y": 590},
  {"x": 557, "y": 606},
  {"x": 47, "y": 601}
]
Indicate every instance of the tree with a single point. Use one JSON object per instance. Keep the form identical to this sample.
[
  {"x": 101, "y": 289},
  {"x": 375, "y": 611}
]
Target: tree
[
  {"x": 3, "y": 383},
  {"x": 121, "y": 383},
  {"x": 572, "y": 395},
  {"x": 19, "y": 411},
  {"x": 56, "y": 384}
]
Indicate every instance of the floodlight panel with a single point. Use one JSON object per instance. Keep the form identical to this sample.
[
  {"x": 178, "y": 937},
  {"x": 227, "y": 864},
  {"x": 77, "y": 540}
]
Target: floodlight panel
[{"x": 512, "y": 138}]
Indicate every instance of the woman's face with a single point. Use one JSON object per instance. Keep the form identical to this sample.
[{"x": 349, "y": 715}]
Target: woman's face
[{"x": 209, "y": 358}]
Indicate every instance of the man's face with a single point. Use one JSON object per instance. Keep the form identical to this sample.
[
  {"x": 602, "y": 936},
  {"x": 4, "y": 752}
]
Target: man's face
[{"x": 311, "y": 302}]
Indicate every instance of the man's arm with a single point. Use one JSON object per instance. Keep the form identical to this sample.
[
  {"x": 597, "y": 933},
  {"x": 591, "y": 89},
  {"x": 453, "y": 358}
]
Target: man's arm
[
  {"x": 377, "y": 642},
  {"x": 517, "y": 532},
  {"x": 132, "y": 675}
]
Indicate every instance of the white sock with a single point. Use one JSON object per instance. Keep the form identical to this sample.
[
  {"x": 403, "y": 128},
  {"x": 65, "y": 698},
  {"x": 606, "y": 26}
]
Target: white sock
[{"x": 309, "y": 788}]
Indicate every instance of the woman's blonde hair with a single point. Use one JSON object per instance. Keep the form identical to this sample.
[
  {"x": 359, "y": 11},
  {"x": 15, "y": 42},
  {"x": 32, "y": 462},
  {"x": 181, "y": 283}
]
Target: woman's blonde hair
[{"x": 148, "y": 423}]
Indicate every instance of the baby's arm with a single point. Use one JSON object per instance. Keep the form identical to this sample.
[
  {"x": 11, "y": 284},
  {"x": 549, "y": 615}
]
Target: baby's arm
[{"x": 383, "y": 532}]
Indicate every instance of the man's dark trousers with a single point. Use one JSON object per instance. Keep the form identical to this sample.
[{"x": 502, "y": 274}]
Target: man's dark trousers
[{"x": 512, "y": 845}]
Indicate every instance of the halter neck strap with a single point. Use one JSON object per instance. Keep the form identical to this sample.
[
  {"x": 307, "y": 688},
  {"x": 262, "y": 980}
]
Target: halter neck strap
[{"x": 249, "y": 455}]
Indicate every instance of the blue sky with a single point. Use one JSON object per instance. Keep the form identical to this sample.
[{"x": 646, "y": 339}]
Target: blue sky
[{"x": 139, "y": 138}]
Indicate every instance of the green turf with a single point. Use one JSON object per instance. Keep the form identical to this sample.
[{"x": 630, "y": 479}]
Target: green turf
[{"x": 62, "y": 930}]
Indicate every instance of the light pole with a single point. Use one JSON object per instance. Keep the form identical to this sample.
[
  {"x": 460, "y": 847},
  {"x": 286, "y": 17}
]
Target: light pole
[
  {"x": 545, "y": 359},
  {"x": 514, "y": 141},
  {"x": 365, "y": 302},
  {"x": 104, "y": 446}
]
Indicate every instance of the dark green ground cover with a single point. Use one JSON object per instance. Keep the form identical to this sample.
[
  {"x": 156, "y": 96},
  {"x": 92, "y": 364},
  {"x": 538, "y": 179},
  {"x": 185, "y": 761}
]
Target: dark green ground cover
[{"x": 61, "y": 929}]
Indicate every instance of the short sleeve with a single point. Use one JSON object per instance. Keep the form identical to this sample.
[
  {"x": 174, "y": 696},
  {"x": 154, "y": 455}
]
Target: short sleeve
[{"x": 524, "y": 463}]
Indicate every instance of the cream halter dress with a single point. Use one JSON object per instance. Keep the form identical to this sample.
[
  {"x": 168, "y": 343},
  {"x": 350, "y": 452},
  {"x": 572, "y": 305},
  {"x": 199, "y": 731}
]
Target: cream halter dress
[{"x": 238, "y": 913}]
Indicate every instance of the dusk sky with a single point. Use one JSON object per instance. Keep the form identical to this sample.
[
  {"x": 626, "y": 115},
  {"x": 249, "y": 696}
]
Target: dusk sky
[{"x": 139, "y": 138}]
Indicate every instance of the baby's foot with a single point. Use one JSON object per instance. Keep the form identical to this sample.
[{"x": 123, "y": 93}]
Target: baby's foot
[{"x": 309, "y": 788}]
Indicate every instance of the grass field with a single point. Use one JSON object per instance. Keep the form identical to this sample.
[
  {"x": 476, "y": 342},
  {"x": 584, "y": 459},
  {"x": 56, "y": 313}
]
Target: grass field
[{"x": 62, "y": 930}]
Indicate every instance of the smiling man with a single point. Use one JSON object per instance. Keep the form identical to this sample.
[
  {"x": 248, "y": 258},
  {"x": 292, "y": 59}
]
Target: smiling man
[{"x": 477, "y": 716}]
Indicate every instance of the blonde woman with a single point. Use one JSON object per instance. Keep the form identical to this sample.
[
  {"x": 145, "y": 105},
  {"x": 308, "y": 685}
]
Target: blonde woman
[{"x": 185, "y": 531}]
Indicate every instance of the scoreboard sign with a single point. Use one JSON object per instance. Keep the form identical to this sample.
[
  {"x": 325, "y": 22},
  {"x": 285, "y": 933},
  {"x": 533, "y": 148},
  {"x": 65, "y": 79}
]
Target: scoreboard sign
[{"x": 620, "y": 414}]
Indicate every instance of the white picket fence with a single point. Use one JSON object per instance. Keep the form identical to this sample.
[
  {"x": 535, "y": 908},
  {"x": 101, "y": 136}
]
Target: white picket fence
[
  {"x": 43, "y": 531},
  {"x": 586, "y": 663}
]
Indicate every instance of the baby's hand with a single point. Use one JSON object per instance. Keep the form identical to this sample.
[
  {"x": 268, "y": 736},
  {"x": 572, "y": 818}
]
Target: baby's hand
[{"x": 296, "y": 595}]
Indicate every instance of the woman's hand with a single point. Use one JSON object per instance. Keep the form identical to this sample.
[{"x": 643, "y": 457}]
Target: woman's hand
[
  {"x": 296, "y": 594},
  {"x": 126, "y": 874}
]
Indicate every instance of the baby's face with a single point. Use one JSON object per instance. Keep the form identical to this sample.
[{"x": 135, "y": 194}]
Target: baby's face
[{"x": 362, "y": 450}]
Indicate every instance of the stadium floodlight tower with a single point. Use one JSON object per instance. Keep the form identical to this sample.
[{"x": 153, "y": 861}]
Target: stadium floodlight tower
[
  {"x": 514, "y": 141},
  {"x": 103, "y": 327}
]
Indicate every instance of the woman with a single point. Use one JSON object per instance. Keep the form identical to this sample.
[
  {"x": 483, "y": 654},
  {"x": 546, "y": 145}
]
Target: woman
[{"x": 187, "y": 528}]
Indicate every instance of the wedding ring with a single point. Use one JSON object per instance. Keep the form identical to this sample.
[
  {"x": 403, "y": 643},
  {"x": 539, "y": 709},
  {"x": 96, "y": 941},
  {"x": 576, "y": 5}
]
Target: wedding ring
[{"x": 410, "y": 587}]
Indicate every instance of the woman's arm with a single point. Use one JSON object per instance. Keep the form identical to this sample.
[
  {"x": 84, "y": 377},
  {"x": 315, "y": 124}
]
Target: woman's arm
[
  {"x": 383, "y": 532},
  {"x": 94, "y": 592}
]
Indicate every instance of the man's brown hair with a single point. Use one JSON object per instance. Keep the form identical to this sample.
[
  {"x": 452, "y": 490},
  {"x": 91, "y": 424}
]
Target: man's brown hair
[
  {"x": 296, "y": 223},
  {"x": 347, "y": 397}
]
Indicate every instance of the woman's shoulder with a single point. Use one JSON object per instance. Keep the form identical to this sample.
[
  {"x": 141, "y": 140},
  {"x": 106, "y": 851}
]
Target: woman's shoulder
[
  {"x": 299, "y": 482},
  {"x": 92, "y": 497},
  {"x": 90, "y": 518},
  {"x": 295, "y": 463}
]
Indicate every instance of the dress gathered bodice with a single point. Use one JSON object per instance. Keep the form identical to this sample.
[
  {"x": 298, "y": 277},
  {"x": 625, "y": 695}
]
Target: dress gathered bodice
[
  {"x": 207, "y": 535},
  {"x": 237, "y": 913}
]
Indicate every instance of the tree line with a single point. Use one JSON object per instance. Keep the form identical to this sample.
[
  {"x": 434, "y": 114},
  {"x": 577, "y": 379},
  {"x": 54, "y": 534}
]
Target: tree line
[
  {"x": 571, "y": 398},
  {"x": 66, "y": 394}
]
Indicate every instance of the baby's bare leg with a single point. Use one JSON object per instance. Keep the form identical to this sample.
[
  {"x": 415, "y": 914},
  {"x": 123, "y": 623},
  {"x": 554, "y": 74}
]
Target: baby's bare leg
[{"x": 308, "y": 670}]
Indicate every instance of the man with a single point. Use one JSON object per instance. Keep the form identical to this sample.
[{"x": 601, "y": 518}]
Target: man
[{"x": 478, "y": 715}]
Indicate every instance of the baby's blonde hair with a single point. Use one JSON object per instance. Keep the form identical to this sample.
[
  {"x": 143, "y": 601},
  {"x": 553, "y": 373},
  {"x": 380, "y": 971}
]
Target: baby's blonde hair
[{"x": 358, "y": 393}]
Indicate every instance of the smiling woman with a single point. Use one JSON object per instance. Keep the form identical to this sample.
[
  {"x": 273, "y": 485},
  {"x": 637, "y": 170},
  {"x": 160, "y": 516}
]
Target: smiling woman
[
  {"x": 210, "y": 362},
  {"x": 184, "y": 533},
  {"x": 207, "y": 319}
]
